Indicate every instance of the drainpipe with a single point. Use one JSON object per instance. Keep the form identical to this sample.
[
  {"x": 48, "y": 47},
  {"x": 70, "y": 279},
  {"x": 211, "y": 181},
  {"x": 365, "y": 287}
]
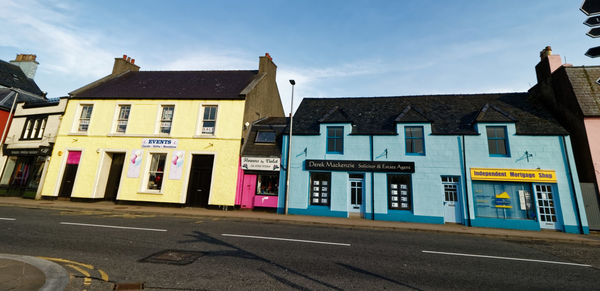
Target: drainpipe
[
  {"x": 580, "y": 225},
  {"x": 464, "y": 156},
  {"x": 372, "y": 183}
]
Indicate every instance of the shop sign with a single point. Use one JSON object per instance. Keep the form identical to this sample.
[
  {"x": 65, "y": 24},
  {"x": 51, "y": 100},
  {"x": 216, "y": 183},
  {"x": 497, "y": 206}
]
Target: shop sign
[
  {"x": 512, "y": 175},
  {"x": 166, "y": 143},
  {"x": 260, "y": 164},
  {"x": 42, "y": 151},
  {"x": 360, "y": 166}
]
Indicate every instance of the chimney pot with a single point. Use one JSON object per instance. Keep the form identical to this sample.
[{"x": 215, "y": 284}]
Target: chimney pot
[
  {"x": 132, "y": 61},
  {"x": 125, "y": 57}
]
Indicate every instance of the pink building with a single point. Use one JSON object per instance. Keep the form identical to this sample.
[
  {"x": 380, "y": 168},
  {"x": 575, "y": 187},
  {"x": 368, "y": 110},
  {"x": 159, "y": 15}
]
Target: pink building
[{"x": 573, "y": 94}]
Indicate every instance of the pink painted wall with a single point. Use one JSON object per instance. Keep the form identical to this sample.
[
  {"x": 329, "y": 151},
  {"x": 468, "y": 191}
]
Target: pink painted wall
[{"x": 592, "y": 128}]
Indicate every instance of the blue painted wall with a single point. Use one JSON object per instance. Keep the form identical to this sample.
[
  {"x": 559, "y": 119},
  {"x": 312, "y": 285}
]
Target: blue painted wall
[{"x": 443, "y": 158}]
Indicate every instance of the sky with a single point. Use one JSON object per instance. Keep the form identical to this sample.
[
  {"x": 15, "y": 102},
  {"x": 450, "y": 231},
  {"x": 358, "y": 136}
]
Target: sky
[{"x": 331, "y": 48}]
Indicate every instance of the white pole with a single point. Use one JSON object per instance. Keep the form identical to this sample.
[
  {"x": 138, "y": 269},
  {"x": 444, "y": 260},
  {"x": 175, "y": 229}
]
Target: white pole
[
  {"x": 4, "y": 133},
  {"x": 289, "y": 153}
]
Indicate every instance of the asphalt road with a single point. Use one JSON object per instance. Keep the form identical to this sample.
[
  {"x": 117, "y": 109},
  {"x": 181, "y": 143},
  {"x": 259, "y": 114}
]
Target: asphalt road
[{"x": 175, "y": 253}]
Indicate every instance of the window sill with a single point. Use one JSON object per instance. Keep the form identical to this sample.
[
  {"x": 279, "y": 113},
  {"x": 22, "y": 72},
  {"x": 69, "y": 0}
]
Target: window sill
[
  {"x": 334, "y": 153},
  {"x": 204, "y": 136},
  {"x": 150, "y": 192},
  {"x": 499, "y": 156},
  {"x": 78, "y": 133},
  {"x": 415, "y": 154}
]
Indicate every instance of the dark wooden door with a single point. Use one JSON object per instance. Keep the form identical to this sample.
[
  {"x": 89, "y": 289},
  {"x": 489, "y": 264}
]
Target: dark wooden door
[
  {"x": 114, "y": 176},
  {"x": 68, "y": 180},
  {"x": 200, "y": 177}
]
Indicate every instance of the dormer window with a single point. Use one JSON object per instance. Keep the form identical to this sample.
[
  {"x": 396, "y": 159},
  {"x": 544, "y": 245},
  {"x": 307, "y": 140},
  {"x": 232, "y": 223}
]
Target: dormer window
[
  {"x": 335, "y": 140},
  {"x": 497, "y": 141},
  {"x": 414, "y": 140},
  {"x": 265, "y": 137}
]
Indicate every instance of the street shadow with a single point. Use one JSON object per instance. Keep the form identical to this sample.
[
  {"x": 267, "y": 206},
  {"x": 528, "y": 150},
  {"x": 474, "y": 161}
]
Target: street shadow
[
  {"x": 365, "y": 272},
  {"x": 237, "y": 252}
]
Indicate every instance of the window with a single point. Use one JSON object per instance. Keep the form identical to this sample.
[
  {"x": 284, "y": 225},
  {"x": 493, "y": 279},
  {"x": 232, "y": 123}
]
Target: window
[
  {"x": 84, "y": 119},
  {"x": 267, "y": 185},
  {"x": 123, "y": 118},
  {"x": 414, "y": 140},
  {"x": 209, "y": 119},
  {"x": 166, "y": 118},
  {"x": 319, "y": 190},
  {"x": 497, "y": 141},
  {"x": 335, "y": 140},
  {"x": 265, "y": 137},
  {"x": 156, "y": 171},
  {"x": 34, "y": 128},
  {"x": 399, "y": 192},
  {"x": 503, "y": 200}
]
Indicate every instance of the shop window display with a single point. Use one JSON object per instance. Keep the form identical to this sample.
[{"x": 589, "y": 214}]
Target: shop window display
[
  {"x": 267, "y": 185},
  {"x": 503, "y": 200}
]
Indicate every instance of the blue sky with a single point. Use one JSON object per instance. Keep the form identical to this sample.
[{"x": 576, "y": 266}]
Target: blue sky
[{"x": 331, "y": 48}]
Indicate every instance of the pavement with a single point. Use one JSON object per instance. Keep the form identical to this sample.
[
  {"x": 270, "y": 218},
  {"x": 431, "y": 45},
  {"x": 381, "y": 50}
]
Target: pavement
[{"x": 30, "y": 273}]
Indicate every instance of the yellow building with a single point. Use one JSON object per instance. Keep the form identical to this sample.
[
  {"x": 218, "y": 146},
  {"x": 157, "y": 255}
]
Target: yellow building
[{"x": 159, "y": 136}]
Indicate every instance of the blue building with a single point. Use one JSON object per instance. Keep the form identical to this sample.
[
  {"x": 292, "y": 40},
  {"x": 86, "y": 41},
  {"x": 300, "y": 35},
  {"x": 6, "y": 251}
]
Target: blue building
[{"x": 486, "y": 160}]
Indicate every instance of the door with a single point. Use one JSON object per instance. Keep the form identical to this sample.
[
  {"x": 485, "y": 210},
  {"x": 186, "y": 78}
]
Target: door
[
  {"x": 114, "y": 176},
  {"x": 68, "y": 179},
  {"x": 356, "y": 193},
  {"x": 546, "y": 208},
  {"x": 248, "y": 191},
  {"x": 452, "y": 209},
  {"x": 200, "y": 177}
]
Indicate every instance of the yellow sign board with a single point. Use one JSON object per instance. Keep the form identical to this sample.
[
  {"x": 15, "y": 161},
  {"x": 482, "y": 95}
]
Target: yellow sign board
[{"x": 513, "y": 175}]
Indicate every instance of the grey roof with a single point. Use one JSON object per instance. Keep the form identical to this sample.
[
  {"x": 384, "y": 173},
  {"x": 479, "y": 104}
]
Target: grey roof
[
  {"x": 448, "y": 114},
  {"x": 12, "y": 76},
  {"x": 586, "y": 90},
  {"x": 173, "y": 85},
  {"x": 275, "y": 124},
  {"x": 7, "y": 97}
]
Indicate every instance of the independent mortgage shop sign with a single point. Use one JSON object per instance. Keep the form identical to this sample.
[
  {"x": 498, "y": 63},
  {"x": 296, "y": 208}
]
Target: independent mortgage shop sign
[{"x": 161, "y": 143}]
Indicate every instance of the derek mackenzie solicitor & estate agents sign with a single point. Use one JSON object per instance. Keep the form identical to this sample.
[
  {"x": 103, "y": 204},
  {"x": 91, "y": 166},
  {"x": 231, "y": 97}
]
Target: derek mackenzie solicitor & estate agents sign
[{"x": 364, "y": 166}]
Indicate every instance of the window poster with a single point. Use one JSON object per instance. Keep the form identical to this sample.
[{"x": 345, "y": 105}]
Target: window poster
[
  {"x": 176, "y": 170},
  {"x": 399, "y": 192},
  {"x": 135, "y": 162}
]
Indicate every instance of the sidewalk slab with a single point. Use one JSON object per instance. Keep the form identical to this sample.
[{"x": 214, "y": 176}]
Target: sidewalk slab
[{"x": 31, "y": 273}]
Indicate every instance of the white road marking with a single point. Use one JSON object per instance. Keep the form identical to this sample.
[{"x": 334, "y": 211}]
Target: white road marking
[
  {"x": 112, "y": 226},
  {"x": 2, "y": 218},
  {"x": 506, "y": 258},
  {"x": 287, "y": 239}
]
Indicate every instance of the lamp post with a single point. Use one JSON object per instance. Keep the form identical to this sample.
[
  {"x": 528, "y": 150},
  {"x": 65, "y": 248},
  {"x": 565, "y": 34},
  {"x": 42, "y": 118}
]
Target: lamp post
[{"x": 289, "y": 151}]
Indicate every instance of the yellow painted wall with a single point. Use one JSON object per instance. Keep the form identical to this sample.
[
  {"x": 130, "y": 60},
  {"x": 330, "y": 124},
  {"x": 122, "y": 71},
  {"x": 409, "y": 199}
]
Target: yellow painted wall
[{"x": 143, "y": 122}]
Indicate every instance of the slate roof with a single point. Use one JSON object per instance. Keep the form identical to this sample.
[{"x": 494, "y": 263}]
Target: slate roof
[
  {"x": 173, "y": 85},
  {"x": 448, "y": 114},
  {"x": 586, "y": 90},
  {"x": 7, "y": 97},
  {"x": 12, "y": 76},
  {"x": 253, "y": 149}
]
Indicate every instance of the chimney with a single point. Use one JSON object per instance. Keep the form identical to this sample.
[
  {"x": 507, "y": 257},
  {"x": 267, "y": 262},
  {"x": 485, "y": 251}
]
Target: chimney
[
  {"x": 547, "y": 65},
  {"x": 27, "y": 63},
  {"x": 124, "y": 64},
  {"x": 266, "y": 65}
]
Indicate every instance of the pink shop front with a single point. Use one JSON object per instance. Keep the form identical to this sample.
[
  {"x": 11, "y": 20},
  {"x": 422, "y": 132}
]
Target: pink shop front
[{"x": 258, "y": 182}]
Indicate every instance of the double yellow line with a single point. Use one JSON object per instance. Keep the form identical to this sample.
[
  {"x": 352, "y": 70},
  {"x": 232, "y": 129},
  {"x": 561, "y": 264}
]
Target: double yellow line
[{"x": 77, "y": 267}]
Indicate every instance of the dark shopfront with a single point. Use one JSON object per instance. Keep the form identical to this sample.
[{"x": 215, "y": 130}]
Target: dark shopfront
[{"x": 23, "y": 171}]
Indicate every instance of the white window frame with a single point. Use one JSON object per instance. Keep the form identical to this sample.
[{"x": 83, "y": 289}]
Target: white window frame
[
  {"x": 147, "y": 173},
  {"x": 159, "y": 119},
  {"x": 77, "y": 118},
  {"x": 115, "y": 124},
  {"x": 200, "y": 123}
]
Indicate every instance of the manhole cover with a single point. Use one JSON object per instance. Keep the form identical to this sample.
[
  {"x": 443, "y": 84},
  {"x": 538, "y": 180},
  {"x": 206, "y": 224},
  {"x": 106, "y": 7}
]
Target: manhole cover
[{"x": 173, "y": 257}]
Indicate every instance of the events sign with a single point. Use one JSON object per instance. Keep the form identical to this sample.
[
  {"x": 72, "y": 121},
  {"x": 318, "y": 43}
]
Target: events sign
[
  {"x": 362, "y": 166},
  {"x": 260, "y": 164},
  {"x": 161, "y": 143},
  {"x": 511, "y": 175}
]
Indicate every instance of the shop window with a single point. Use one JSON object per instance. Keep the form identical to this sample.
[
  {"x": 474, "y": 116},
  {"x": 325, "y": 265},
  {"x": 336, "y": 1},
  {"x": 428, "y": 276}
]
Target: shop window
[
  {"x": 503, "y": 200},
  {"x": 166, "y": 118},
  {"x": 320, "y": 188},
  {"x": 85, "y": 117},
  {"x": 209, "y": 119},
  {"x": 399, "y": 192},
  {"x": 34, "y": 128},
  {"x": 265, "y": 137},
  {"x": 414, "y": 140},
  {"x": 123, "y": 118},
  {"x": 335, "y": 140},
  {"x": 267, "y": 185},
  {"x": 156, "y": 171},
  {"x": 497, "y": 141}
]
